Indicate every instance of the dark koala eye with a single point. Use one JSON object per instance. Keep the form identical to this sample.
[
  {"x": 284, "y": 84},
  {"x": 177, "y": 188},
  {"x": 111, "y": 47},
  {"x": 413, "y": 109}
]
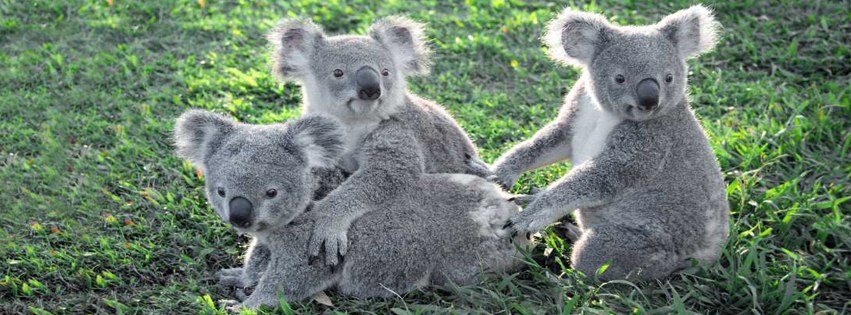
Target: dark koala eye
[
  {"x": 338, "y": 73},
  {"x": 669, "y": 78},
  {"x": 385, "y": 72},
  {"x": 221, "y": 192},
  {"x": 620, "y": 79},
  {"x": 271, "y": 193}
]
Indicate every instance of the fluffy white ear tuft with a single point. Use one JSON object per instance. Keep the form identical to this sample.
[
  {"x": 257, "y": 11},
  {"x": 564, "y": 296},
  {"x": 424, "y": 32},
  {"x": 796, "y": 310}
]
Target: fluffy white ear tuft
[
  {"x": 405, "y": 40},
  {"x": 321, "y": 138},
  {"x": 575, "y": 37},
  {"x": 693, "y": 31},
  {"x": 199, "y": 133},
  {"x": 291, "y": 44}
]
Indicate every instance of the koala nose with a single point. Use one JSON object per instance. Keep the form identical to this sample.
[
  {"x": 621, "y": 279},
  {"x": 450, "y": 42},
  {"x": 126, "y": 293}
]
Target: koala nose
[
  {"x": 648, "y": 93},
  {"x": 369, "y": 84},
  {"x": 240, "y": 212}
]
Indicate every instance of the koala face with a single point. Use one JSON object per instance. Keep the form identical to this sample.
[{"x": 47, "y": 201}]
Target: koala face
[
  {"x": 254, "y": 182},
  {"x": 635, "y": 72},
  {"x": 258, "y": 177},
  {"x": 639, "y": 77},
  {"x": 353, "y": 73},
  {"x": 350, "y": 76}
]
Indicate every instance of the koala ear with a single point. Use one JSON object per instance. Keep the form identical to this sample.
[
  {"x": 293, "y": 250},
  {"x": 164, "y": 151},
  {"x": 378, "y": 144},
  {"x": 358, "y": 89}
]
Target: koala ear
[
  {"x": 199, "y": 133},
  {"x": 321, "y": 138},
  {"x": 575, "y": 37},
  {"x": 291, "y": 44},
  {"x": 693, "y": 30},
  {"x": 406, "y": 42}
]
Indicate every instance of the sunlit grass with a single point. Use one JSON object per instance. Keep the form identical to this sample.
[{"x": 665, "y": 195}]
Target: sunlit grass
[{"x": 97, "y": 216}]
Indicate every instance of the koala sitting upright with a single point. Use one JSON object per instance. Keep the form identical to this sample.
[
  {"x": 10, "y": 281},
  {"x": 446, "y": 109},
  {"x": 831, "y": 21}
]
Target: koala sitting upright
[
  {"x": 646, "y": 186},
  {"x": 391, "y": 136},
  {"x": 263, "y": 179}
]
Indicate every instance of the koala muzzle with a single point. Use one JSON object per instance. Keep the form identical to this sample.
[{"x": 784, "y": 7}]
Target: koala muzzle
[
  {"x": 648, "y": 93},
  {"x": 239, "y": 212},
  {"x": 368, "y": 83}
]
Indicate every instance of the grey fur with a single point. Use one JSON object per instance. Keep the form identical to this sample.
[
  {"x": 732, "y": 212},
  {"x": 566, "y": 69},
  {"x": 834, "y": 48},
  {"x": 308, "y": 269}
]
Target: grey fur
[
  {"x": 436, "y": 229},
  {"x": 645, "y": 183},
  {"x": 389, "y": 142}
]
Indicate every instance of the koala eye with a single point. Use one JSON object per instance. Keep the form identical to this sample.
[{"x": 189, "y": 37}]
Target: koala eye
[
  {"x": 338, "y": 73},
  {"x": 669, "y": 78},
  {"x": 385, "y": 72},
  {"x": 620, "y": 79},
  {"x": 221, "y": 192},
  {"x": 271, "y": 193}
]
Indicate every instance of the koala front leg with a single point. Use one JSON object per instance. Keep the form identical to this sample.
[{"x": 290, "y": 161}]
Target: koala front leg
[
  {"x": 621, "y": 165},
  {"x": 392, "y": 161},
  {"x": 255, "y": 263},
  {"x": 549, "y": 145}
]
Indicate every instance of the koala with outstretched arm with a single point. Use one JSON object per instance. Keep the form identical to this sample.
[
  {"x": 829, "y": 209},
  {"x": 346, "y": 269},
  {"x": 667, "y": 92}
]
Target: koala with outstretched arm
[
  {"x": 265, "y": 179},
  {"x": 645, "y": 184},
  {"x": 391, "y": 137}
]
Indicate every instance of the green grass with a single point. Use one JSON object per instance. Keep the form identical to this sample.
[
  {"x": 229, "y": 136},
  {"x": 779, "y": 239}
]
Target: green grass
[{"x": 97, "y": 216}]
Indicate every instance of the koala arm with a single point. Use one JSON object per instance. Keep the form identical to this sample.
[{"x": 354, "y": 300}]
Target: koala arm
[
  {"x": 627, "y": 162},
  {"x": 549, "y": 145},
  {"x": 391, "y": 161}
]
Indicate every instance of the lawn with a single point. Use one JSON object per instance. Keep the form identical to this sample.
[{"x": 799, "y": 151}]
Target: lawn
[{"x": 97, "y": 215}]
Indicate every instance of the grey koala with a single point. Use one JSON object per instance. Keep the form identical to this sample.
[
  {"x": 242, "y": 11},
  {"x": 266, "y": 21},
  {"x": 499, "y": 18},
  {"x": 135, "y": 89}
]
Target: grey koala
[
  {"x": 645, "y": 183},
  {"x": 436, "y": 230},
  {"x": 391, "y": 137}
]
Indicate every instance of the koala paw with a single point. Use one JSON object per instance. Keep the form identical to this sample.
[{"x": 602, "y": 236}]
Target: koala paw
[
  {"x": 232, "y": 277},
  {"x": 504, "y": 178},
  {"x": 477, "y": 167},
  {"x": 329, "y": 241},
  {"x": 528, "y": 221}
]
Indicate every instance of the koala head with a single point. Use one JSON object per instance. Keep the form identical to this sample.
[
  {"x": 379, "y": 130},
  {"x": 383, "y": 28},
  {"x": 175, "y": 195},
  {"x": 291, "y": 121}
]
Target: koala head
[
  {"x": 258, "y": 176},
  {"x": 350, "y": 75},
  {"x": 635, "y": 72}
]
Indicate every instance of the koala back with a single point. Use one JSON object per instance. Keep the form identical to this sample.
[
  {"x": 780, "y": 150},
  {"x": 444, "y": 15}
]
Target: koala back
[{"x": 447, "y": 229}]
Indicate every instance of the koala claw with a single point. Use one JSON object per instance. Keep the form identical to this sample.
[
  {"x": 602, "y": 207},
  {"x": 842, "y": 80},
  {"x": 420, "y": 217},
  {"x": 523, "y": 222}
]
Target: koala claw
[
  {"x": 509, "y": 224},
  {"x": 330, "y": 242}
]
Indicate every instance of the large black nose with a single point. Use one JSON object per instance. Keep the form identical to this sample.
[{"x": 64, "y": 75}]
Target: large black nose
[
  {"x": 648, "y": 93},
  {"x": 369, "y": 83},
  {"x": 240, "y": 212}
]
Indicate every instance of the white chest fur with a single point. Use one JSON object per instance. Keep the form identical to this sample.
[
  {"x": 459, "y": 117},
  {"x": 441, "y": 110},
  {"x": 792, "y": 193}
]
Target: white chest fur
[
  {"x": 591, "y": 127},
  {"x": 355, "y": 131}
]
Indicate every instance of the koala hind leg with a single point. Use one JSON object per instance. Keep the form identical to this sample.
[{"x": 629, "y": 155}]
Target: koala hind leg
[{"x": 633, "y": 253}]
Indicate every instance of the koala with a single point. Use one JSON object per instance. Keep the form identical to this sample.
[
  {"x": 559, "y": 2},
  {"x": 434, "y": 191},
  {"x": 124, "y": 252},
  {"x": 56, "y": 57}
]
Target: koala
[
  {"x": 391, "y": 137},
  {"x": 645, "y": 184},
  {"x": 264, "y": 179}
]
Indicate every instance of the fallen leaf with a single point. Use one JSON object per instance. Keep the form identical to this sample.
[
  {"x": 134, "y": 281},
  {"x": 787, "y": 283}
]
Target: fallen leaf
[{"x": 323, "y": 299}]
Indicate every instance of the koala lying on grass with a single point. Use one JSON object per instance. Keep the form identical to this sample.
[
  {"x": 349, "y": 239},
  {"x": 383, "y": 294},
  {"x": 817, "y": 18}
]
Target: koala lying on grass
[
  {"x": 263, "y": 179},
  {"x": 391, "y": 137},
  {"x": 646, "y": 186}
]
